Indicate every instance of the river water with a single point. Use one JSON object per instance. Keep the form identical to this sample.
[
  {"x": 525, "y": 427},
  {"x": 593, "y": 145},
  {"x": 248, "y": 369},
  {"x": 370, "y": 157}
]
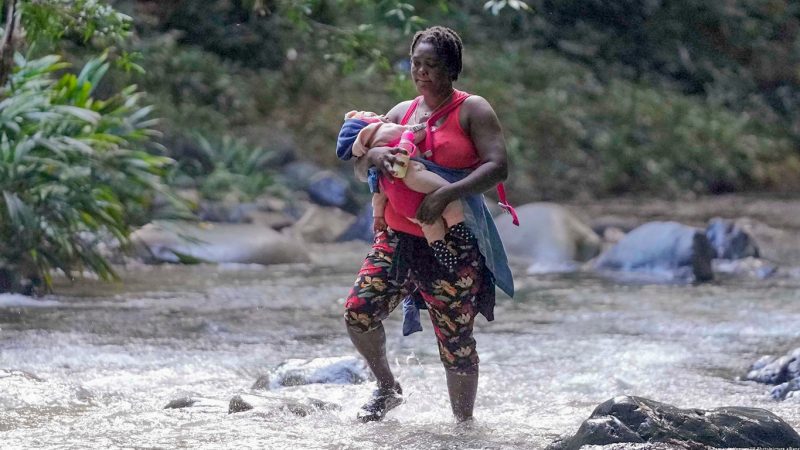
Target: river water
[{"x": 93, "y": 366}]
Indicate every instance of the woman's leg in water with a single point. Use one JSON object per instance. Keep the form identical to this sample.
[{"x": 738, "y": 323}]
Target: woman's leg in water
[
  {"x": 451, "y": 295},
  {"x": 373, "y": 296}
]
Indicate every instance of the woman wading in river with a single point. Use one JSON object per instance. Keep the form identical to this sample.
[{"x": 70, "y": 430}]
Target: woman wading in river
[{"x": 455, "y": 275}]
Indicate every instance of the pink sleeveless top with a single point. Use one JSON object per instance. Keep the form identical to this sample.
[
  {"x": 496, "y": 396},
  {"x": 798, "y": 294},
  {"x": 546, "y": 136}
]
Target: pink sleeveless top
[{"x": 451, "y": 147}]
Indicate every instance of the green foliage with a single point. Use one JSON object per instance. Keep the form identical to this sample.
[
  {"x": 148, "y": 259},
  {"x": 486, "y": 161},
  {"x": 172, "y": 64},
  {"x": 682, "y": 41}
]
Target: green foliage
[
  {"x": 570, "y": 133},
  {"x": 236, "y": 169},
  {"x": 47, "y": 22},
  {"x": 597, "y": 98},
  {"x": 71, "y": 168}
]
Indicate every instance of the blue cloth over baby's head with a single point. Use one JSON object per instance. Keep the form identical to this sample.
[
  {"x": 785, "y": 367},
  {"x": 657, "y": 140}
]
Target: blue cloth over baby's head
[{"x": 347, "y": 137}]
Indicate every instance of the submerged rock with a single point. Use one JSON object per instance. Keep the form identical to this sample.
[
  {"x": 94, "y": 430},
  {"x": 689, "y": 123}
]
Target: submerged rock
[
  {"x": 730, "y": 240},
  {"x": 178, "y": 403},
  {"x": 548, "y": 235},
  {"x": 748, "y": 267},
  {"x": 336, "y": 370},
  {"x": 783, "y": 371},
  {"x": 675, "y": 250},
  {"x": 771, "y": 370},
  {"x": 639, "y": 420},
  {"x": 271, "y": 405},
  {"x": 309, "y": 407},
  {"x": 237, "y": 404},
  {"x": 175, "y": 242}
]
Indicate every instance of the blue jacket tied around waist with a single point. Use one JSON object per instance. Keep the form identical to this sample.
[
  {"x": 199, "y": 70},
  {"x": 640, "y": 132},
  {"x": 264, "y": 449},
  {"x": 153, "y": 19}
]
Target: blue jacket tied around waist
[{"x": 480, "y": 222}]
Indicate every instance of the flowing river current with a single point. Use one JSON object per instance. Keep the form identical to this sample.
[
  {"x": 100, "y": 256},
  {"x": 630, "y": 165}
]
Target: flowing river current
[{"x": 94, "y": 366}]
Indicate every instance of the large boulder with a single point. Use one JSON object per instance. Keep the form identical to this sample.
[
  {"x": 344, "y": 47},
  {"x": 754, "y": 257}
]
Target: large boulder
[
  {"x": 670, "y": 249},
  {"x": 639, "y": 420},
  {"x": 730, "y": 240},
  {"x": 361, "y": 229},
  {"x": 322, "y": 224},
  {"x": 165, "y": 241},
  {"x": 548, "y": 235}
]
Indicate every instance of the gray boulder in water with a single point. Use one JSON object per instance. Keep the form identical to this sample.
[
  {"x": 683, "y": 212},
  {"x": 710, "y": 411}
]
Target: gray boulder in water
[
  {"x": 730, "y": 240},
  {"x": 668, "y": 248},
  {"x": 166, "y": 241},
  {"x": 784, "y": 372},
  {"x": 548, "y": 235},
  {"x": 639, "y": 420},
  {"x": 334, "y": 370}
]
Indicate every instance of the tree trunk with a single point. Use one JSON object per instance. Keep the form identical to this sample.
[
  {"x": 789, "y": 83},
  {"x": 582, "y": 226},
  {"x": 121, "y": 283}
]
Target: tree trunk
[{"x": 8, "y": 43}]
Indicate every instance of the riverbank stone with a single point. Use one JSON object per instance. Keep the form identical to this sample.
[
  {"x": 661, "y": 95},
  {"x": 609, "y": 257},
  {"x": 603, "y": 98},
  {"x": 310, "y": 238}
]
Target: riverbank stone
[
  {"x": 638, "y": 420},
  {"x": 177, "y": 242},
  {"x": 361, "y": 229},
  {"x": 671, "y": 249},
  {"x": 548, "y": 236},
  {"x": 322, "y": 224},
  {"x": 730, "y": 240},
  {"x": 178, "y": 403}
]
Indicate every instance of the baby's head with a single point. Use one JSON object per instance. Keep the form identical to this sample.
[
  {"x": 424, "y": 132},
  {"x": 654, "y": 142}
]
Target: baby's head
[{"x": 368, "y": 116}]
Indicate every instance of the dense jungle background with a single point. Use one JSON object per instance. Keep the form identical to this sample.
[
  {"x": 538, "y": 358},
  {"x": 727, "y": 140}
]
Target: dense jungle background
[{"x": 597, "y": 99}]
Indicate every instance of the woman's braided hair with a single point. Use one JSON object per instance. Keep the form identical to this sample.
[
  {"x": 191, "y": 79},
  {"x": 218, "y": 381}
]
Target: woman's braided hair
[{"x": 446, "y": 43}]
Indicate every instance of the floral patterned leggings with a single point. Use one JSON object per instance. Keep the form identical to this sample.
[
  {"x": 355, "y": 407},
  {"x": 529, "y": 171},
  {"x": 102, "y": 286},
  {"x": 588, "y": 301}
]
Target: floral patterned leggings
[{"x": 450, "y": 294}]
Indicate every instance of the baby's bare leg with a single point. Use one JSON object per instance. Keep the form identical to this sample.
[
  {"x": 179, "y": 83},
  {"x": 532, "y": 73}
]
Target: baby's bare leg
[{"x": 419, "y": 179}]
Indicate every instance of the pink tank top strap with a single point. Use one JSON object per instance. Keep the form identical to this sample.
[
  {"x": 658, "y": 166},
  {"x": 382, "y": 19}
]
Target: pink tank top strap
[
  {"x": 458, "y": 99},
  {"x": 410, "y": 110}
]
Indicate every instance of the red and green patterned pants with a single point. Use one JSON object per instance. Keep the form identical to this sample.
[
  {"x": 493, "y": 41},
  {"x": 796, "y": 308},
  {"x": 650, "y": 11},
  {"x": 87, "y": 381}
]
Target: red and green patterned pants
[{"x": 451, "y": 295}]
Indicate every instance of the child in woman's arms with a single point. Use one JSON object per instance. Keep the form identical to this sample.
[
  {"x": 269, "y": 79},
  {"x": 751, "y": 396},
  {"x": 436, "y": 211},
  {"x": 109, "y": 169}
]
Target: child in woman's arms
[{"x": 363, "y": 130}]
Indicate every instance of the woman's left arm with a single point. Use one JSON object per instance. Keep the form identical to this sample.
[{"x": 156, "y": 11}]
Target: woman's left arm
[{"x": 481, "y": 124}]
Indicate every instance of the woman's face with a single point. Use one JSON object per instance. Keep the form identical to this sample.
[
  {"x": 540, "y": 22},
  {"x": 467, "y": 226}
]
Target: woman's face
[{"x": 428, "y": 71}]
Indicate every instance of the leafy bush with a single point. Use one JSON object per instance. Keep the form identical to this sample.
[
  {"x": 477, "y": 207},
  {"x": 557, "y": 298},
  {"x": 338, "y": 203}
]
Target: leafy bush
[
  {"x": 71, "y": 169},
  {"x": 234, "y": 168},
  {"x": 569, "y": 132}
]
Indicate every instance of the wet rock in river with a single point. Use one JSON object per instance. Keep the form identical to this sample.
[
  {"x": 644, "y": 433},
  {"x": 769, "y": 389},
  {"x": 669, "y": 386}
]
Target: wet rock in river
[
  {"x": 771, "y": 370},
  {"x": 166, "y": 241},
  {"x": 237, "y": 404},
  {"x": 730, "y": 240},
  {"x": 335, "y": 370},
  {"x": 270, "y": 405},
  {"x": 639, "y": 420},
  {"x": 178, "y": 403},
  {"x": 747, "y": 267},
  {"x": 786, "y": 390},
  {"x": 548, "y": 236},
  {"x": 784, "y": 372},
  {"x": 310, "y": 406},
  {"x": 261, "y": 384},
  {"x": 675, "y": 250}
]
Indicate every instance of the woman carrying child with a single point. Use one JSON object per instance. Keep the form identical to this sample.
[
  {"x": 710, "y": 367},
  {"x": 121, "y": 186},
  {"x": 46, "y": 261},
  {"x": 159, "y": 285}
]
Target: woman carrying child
[{"x": 455, "y": 273}]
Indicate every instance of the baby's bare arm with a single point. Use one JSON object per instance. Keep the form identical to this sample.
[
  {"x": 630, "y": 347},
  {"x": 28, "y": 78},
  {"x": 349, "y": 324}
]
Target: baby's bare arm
[{"x": 420, "y": 179}]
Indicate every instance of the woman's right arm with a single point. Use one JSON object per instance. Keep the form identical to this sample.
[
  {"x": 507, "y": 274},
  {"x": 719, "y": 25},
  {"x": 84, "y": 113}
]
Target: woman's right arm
[{"x": 382, "y": 157}]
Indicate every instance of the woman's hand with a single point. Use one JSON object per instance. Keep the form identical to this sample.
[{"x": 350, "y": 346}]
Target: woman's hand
[
  {"x": 384, "y": 158},
  {"x": 434, "y": 204}
]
